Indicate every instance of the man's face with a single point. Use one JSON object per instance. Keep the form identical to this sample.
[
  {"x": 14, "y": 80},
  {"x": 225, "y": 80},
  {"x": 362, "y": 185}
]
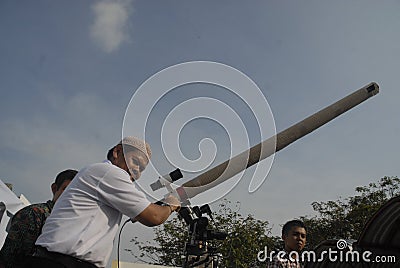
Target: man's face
[
  {"x": 132, "y": 161},
  {"x": 295, "y": 240},
  {"x": 57, "y": 191}
]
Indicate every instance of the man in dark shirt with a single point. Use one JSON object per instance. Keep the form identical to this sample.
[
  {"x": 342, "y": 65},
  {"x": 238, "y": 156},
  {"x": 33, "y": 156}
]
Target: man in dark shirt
[{"x": 27, "y": 223}]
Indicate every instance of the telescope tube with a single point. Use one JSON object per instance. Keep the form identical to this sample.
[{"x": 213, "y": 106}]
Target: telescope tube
[{"x": 255, "y": 154}]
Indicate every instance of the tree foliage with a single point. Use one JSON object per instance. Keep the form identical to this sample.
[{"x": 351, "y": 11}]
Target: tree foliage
[
  {"x": 346, "y": 218},
  {"x": 246, "y": 237}
]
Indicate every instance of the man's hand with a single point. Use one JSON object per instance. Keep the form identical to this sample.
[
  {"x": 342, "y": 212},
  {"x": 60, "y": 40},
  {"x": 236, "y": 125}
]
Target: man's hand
[
  {"x": 157, "y": 214},
  {"x": 173, "y": 202}
]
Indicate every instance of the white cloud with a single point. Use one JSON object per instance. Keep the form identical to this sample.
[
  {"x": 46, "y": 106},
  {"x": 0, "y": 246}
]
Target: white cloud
[
  {"x": 111, "y": 23},
  {"x": 72, "y": 132}
]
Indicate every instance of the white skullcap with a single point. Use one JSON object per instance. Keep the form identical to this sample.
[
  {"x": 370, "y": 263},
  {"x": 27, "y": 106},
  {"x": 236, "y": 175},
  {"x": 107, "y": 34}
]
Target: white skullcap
[{"x": 139, "y": 144}]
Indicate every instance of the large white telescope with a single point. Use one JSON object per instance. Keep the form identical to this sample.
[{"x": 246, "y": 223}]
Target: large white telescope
[{"x": 255, "y": 154}]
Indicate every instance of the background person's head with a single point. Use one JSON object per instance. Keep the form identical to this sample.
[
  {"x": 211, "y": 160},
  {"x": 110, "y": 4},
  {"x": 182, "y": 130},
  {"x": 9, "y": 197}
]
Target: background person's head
[
  {"x": 294, "y": 234},
  {"x": 63, "y": 179},
  {"x": 132, "y": 155}
]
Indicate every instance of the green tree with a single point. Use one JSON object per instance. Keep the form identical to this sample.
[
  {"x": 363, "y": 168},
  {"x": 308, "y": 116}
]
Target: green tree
[
  {"x": 346, "y": 218},
  {"x": 246, "y": 237}
]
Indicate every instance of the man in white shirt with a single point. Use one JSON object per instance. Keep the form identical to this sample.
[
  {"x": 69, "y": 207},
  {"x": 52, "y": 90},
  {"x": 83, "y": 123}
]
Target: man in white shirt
[{"x": 82, "y": 226}]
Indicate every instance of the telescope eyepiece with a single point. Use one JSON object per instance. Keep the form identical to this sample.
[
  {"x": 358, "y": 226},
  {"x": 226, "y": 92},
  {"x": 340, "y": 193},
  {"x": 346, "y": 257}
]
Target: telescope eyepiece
[
  {"x": 162, "y": 181},
  {"x": 176, "y": 174}
]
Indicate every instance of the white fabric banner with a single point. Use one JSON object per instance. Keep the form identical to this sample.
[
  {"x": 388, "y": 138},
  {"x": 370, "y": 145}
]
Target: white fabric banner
[{"x": 9, "y": 205}]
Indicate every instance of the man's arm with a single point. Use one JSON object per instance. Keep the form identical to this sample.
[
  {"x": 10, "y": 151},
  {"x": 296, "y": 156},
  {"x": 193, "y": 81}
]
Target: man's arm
[{"x": 155, "y": 214}]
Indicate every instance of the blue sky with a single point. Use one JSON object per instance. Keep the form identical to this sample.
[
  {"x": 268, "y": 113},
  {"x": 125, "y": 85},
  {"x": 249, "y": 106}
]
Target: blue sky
[{"x": 69, "y": 69}]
